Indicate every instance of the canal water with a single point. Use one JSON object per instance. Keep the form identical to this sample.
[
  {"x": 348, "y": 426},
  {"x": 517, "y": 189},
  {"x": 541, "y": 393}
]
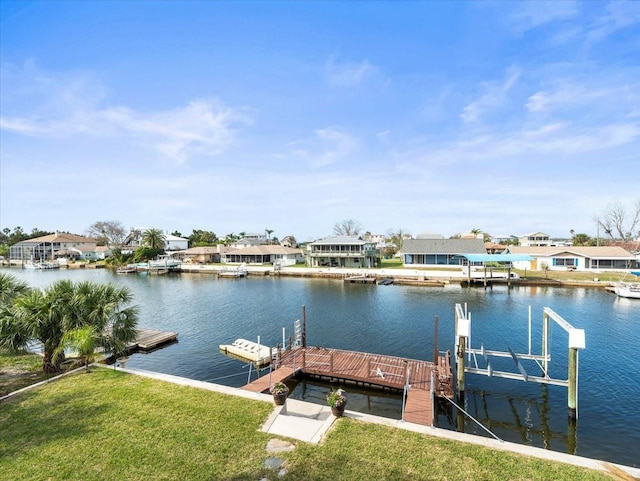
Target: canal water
[{"x": 399, "y": 320}]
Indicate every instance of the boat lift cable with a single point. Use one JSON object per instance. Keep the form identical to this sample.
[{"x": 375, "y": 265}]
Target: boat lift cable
[
  {"x": 225, "y": 377},
  {"x": 473, "y": 419}
]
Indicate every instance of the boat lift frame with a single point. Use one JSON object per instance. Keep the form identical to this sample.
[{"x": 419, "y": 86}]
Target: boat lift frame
[{"x": 576, "y": 342}]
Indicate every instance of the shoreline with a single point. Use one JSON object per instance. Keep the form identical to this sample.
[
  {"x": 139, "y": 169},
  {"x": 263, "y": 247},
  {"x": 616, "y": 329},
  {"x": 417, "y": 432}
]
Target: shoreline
[{"x": 400, "y": 276}]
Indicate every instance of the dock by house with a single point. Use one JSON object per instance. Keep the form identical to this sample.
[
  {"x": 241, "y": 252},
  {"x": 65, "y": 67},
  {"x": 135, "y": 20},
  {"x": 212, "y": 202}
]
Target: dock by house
[{"x": 376, "y": 371}]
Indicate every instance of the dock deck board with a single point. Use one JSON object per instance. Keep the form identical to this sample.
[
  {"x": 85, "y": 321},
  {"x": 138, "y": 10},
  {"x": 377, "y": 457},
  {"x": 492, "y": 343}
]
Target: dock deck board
[
  {"x": 263, "y": 383},
  {"x": 148, "y": 339}
]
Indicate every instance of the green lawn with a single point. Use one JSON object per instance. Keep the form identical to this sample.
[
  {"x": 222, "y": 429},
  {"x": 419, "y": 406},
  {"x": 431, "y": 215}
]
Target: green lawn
[{"x": 107, "y": 425}]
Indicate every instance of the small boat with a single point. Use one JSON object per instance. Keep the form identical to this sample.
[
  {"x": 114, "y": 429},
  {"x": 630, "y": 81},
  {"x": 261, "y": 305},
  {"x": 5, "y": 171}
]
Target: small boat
[
  {"x": 165, "y": 262},
  {"x": 128, "y": 269},
  {"x": 258, "y": 354},
  {"x": 240, "y": 271},
  {"x": 630, "y": 290},
  {"x": 41, "y": 265}
]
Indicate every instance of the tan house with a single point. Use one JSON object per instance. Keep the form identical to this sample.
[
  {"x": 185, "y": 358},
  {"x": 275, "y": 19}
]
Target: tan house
[{"x": 45, "y": 247}]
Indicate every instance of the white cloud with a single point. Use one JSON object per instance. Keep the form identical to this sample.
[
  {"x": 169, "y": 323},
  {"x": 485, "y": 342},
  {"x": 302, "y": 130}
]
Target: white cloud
[
  {"x": 68, "y": 109},
  {"x": 345, "y": 74}
]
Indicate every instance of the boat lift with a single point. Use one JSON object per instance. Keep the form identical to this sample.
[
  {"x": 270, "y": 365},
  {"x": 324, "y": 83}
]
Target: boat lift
[{"x": 463, "y": 346}]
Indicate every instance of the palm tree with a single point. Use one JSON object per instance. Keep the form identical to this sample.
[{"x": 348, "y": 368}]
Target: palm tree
[
  {"x": 102, "y": 306},
  {"x": 269, "y": 232},
  {"x": 10, "y": 288},
  {"x": 36, "y": 318},
  {"x": 50, "y": 315},
  {"x": 84, "y": 340},
  {"x": 154, "y": 238},
  {"x": 476, "y": 231}
]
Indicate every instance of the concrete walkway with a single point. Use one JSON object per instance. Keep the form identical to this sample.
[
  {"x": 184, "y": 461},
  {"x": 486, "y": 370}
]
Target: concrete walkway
[{"x": 309, "y": 422}]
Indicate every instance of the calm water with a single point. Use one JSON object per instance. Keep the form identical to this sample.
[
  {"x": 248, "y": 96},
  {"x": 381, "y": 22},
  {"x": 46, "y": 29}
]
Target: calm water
[{"x": 398, "y": 320}]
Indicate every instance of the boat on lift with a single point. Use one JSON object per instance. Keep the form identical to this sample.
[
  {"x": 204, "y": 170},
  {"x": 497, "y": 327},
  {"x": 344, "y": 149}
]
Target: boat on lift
[{"x": 629, "y": 290}]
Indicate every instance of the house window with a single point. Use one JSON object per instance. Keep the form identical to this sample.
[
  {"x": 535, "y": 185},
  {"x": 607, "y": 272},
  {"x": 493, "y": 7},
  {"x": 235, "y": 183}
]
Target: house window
[{"x": 565, "y": 261}]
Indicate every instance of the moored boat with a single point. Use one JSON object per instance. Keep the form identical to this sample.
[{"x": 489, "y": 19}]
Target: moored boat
[
  {"x": 259, "y": 354},
  {"x": 629, "y": 290}
]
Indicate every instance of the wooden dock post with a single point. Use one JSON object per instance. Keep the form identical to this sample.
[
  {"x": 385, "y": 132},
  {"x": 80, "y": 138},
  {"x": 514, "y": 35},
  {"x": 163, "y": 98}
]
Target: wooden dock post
[
  {"x": 572, "y": 394},
  {"x": 304, "y": 326},
  {"x": 435, "y": 341}
]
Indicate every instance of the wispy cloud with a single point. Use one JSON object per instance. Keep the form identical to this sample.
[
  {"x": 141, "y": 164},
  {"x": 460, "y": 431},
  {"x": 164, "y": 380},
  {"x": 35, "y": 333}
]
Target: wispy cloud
[
  {"x": 349, "y": 74},
  {"x": 327, "y": 146},
  {"x": 66, "y": 110},
  {"x": 529, "y": 15},
  {"x": 619, "y": 15},
  {"x": 494, "y": 95}
]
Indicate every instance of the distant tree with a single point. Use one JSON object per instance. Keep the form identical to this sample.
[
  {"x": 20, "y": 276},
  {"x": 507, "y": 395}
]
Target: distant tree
[
  {"x": 274, "y": 240},
  {"x": 200, "y": 238},
  {"x": 268, "y": 232},
  {"x": 231, "y": 238},
  {"x": 110, "y": 233},
  {"x": 545, "y": 267},
  {"x": 580, "y": 239},
  {"x": 347, "y": 227},
  {"x": 154, "y": 238},
  {"x": 619, "y": 223},
  {"x": 176, "y": 233},
  {"x": 476, "y": 232},
  {"x": 396, "y": 237},
  {"x": 144, "y": 253}
]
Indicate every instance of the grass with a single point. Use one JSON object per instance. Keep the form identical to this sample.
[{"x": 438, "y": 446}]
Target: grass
[
  {"x": 20, "y": 370},
  {"x": 107, "y": 425}
]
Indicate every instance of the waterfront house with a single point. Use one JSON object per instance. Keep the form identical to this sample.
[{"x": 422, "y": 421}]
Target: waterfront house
[
  {"x": 264, "y": 255},
  {"x": 45, "y": 247},
  {"x": 439, "y": 252},
  {"x": 86, "y": 253},
  {"x": 574, "y": 257},
  {"x": 171, "y": 242},
  {"x": 534, "y": 239},
  {"x": 175, "y": 243},
  {"x": 342, "y": 251}
]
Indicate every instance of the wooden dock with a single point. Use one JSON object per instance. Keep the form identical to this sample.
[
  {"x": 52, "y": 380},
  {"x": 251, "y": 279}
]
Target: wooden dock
[
  {"x": 148, "y": 339},
  {"x": 368, "y": 370},
  {"x": 360, "y": 279}
]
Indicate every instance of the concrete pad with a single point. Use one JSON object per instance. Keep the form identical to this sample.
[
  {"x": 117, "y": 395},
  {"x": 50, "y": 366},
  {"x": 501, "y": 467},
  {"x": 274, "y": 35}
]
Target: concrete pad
[{"x": 301, "y": 420}]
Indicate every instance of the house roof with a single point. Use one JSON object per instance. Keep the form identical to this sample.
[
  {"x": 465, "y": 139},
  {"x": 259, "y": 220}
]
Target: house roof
[
  {"x": 593, "y": 252},
  {"x": 196, "y": 251},
  {"x": 341, "y": 240},
  {"x": 497, "y": 257},
  {"x": 60, "y": 237},
  {"x": 534, "y": 233},
  {"x": 264, "y": 250},
  {"x": 174, "y": 238},
  {"x": 443, "y": 246}
]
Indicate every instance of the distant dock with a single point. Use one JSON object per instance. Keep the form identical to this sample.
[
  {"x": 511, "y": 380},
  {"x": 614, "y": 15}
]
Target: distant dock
[{"x": 149, "y": 340}]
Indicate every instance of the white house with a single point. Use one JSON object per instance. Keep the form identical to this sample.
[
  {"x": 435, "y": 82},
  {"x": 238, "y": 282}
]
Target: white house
[
  {"x": 534, "y": 239},
  {"x": 175, "y": 243},
  {"x": 574, "y": 258}
]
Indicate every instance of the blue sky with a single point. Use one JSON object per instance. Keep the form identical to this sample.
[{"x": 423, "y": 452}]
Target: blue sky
[{"x": 510, "y": 117}]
